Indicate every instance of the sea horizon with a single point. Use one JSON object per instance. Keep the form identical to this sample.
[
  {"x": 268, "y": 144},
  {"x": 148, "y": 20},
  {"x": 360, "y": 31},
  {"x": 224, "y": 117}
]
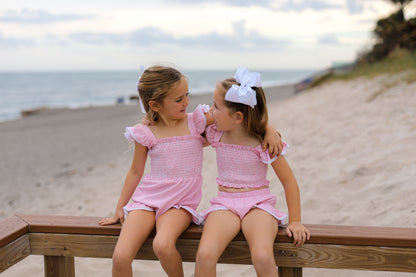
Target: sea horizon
[{"x": 28, "y": 90}]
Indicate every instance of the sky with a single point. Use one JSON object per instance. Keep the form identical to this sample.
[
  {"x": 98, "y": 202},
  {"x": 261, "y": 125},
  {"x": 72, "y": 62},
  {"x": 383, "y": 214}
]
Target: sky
[{"x": 48, "y": 35}]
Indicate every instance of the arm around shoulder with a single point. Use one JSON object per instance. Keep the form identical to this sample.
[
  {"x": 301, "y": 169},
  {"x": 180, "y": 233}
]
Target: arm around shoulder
[{"x": 273, "y": 141}]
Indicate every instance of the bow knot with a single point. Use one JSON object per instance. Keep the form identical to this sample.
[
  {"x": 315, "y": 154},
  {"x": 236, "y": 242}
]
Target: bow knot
[{"x": 244, "y": 93}]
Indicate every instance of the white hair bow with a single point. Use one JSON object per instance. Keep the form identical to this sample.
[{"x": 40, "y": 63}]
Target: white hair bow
[
  {"x": 142, "y": 69},
  {"x": 244, "y": 93}
]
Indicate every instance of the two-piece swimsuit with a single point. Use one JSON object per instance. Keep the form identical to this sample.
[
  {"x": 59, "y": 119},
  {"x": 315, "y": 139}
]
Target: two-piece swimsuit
[
  {"x": 242, "y": 167},
  {"x": 175, "y": 178}
]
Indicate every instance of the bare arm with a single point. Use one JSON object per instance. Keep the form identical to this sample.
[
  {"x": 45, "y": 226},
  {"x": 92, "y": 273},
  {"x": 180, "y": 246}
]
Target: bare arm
[
  {"x": 273, "y": 141},
  {"x": 133, "y": 178},
  {"x": 296, "y": 229}
]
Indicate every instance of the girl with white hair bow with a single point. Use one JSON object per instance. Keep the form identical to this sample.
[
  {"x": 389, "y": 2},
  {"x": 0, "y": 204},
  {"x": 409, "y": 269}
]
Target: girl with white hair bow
[{"x": 244, "y": 201}]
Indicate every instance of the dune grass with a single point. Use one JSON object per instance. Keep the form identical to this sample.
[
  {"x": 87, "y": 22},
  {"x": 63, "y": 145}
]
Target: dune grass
[{"x": 398, "y": 61}]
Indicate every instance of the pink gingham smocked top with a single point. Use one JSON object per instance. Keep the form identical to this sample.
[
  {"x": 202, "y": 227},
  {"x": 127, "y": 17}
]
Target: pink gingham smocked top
[
  {"x": 175, "y": 177},
  {"x": 249, "y": 170}
]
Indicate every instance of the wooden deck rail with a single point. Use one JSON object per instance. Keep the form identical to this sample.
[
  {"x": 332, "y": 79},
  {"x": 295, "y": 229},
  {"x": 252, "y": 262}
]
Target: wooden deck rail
[{"x": 61, "y": 238}]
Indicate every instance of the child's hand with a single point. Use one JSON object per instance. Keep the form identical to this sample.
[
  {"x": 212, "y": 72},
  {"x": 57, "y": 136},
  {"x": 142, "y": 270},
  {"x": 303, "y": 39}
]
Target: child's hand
[
  {"x": 273, "y": 141},
  {"x": 118, "y": 216},
  {"x": 299, "y": 233}
]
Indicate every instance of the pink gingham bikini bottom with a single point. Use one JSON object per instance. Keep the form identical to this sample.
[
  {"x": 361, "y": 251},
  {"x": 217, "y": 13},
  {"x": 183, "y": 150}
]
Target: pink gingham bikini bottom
[{"x": 241, "y": 203}]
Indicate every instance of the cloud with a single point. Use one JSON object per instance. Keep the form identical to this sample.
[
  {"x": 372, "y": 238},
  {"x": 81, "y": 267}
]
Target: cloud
[
  {"x": 7, "y": 42},
  {"x": 355, "y": 6},
  {"x": 240, "y": 39},
  {"x": 328, "y": 39},
  {"x": 283, "y": 5},
  {"x": 38, "y": 16},
  {"x": 237, "y": 3},
  {"x": 99, "y": 38},
  {"x": 316, "y": 5}
]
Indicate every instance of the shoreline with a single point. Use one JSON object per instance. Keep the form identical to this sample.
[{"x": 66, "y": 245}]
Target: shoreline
[{"x": 273, "y": 93}]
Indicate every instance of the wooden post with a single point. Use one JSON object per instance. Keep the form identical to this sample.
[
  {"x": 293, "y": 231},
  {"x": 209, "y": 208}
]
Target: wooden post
[
  {"x": 290, "y": 271},
  {"x": 59, "y": 266}
]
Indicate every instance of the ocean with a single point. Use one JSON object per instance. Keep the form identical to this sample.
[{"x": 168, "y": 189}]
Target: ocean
[{"x": 20, "y": 91}]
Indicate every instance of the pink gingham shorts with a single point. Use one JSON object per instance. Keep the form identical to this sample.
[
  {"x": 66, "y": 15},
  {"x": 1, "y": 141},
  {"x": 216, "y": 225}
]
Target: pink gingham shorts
[{"x": 241, "y": 203}]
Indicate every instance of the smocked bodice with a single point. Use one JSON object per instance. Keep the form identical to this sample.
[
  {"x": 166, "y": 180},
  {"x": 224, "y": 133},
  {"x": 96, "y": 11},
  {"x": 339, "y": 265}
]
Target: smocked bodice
[
  {"x": 173, "y": 157},
  {"x": 240, "y": 166},
  {"x": 184, "y": 159}
]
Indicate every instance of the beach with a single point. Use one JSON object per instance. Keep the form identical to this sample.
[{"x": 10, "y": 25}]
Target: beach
[{"x": 352, "y": 151}]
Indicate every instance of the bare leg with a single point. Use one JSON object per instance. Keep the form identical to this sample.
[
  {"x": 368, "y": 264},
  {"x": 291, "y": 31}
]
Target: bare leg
[
  {"x": 260, "y": 229},
  {"x": 169, "y": 226},
  {"x": 219, "y": 229},
  {"x": 135, "y": 230}
]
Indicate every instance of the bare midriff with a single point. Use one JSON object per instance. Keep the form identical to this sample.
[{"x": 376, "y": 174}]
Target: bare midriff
[{"x": 228, "y": 189}]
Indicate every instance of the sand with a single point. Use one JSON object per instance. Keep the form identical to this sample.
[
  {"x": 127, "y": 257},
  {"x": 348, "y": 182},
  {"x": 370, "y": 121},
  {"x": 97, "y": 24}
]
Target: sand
[{"x": 352, "y": 151}]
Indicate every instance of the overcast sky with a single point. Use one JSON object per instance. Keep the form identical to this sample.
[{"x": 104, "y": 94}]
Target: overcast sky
[{"x": 191, "y": 34}]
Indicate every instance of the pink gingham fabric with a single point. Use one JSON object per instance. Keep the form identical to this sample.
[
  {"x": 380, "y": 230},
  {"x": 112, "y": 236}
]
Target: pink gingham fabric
[
  {"x": 175, "y": 178},
  {"x": 240, "y": 166}
]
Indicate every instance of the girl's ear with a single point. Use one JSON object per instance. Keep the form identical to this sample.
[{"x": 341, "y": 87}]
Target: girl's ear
[
  {"x": 239, "y": 117},
  {"x": 154, "y": 106}
]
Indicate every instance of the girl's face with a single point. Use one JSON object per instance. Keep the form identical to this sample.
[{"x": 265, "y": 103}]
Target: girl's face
[
  {"x": 175, "y": 103},
  {"x": 220, "y": 112}
]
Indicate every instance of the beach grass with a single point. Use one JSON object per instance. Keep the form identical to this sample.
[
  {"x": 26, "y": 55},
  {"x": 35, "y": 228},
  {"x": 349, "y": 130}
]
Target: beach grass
[
  {"x": 398, "y": 61},
  {"x": 401, "y": 63}
]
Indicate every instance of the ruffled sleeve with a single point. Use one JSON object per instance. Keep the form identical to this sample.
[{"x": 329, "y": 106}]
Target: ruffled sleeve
[
  {"x": 141, "y": 134},
  {"x": 265, "y": 156},
  {"x": 197, "y": 120},
  {"x": 213, "y": 135}
]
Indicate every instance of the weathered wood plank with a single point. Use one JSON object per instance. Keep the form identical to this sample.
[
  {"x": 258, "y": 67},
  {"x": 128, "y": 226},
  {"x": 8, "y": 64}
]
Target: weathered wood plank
[
  {"x": 103, "y": 247},
  {"x": 290, "y": 271},
  {"x": 341, "y": 247},
  {"x": 68, "y": 225},
  {"x": 81, "y": 245},
  {"x": 89, "y": 225},
  {"x": 14, "y": 251},
  {"x": 347, "y": 257},
  {"x": 320, "y": 234},
  {"x": 59, "y": 266},
  {"x": 362, "y": 235},
  {"x": 11, "y": 228},
  {"x": 309, "y": 255}
]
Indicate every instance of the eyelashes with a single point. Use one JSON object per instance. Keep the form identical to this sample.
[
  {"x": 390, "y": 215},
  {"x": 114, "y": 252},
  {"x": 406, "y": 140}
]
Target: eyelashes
[{"x": 180, "y": 99}]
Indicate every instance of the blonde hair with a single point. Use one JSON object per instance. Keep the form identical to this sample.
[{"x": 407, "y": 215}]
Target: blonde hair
[
  {"x": 255, "y": 119},
  {"x": 154, "y": 85}
]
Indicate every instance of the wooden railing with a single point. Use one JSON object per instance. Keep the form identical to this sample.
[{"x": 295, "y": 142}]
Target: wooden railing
[{"x": 61, "y": 238}]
